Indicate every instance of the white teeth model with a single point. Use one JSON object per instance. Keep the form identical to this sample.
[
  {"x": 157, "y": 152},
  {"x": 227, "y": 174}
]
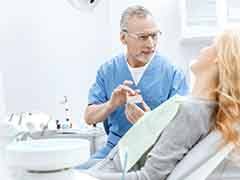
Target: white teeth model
[{"x": 134, "y": 99}]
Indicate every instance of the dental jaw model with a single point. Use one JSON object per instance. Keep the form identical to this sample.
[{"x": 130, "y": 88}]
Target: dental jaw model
[{"x": 134, "y": 99}]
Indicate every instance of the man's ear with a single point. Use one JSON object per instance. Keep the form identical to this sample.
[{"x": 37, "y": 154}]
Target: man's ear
[{"x": 123, "y": 38}]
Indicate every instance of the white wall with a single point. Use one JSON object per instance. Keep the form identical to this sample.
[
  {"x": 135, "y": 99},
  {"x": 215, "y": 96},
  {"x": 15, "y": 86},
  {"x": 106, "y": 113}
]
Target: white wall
[
  {"x": 2, "y": 99},
  {"x": 47, "y": 50}
]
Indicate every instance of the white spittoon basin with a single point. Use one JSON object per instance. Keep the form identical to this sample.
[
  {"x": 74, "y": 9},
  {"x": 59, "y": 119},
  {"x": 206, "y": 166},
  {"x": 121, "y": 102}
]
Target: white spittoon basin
[{"x": 47, "y": 154}]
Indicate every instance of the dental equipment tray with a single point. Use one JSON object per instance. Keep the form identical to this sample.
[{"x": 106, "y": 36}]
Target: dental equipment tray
[
  {"x": 93, "y": 135},
  {"x": 84, "y": 133}
]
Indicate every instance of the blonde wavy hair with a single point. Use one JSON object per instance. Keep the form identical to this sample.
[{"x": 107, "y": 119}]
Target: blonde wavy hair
[{"x": 228, "y": 91}]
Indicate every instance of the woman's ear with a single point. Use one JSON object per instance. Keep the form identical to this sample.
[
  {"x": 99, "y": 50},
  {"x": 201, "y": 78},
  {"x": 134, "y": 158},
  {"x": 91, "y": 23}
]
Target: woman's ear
[{"x": 123, "y": 38}]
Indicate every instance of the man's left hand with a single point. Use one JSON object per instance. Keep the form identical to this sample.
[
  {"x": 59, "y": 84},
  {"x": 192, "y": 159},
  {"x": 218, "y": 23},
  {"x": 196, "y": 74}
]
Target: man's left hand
[{"x": 134, "y": 113}]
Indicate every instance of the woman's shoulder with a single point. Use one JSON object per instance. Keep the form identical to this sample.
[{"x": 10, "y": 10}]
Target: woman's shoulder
[
  {"x": 197, "y": 112},
  {"x": 195, "y": 106}
]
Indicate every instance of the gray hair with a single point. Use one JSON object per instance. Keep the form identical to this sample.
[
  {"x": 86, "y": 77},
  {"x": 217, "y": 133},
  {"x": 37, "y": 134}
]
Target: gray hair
[{"x": 132, "y": 11}]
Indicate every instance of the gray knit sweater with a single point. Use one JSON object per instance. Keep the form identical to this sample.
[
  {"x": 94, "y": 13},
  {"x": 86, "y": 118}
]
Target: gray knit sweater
[{"x": 192, "y": 123}]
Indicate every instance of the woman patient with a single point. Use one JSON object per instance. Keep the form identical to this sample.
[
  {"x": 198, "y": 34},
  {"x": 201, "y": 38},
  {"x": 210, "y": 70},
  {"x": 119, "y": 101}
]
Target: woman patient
[{"x": 214, "y": 103}]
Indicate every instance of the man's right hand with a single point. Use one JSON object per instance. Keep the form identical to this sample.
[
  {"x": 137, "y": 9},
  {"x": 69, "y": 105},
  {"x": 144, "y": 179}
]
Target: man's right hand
[
  {"x": 99, "y": 112},
  {"x": 119, "y": 94}
]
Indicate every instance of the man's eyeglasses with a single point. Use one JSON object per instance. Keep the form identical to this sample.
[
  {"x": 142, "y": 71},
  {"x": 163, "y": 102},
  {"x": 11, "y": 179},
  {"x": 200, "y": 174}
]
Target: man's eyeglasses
[{"x": 143, "y": 36}]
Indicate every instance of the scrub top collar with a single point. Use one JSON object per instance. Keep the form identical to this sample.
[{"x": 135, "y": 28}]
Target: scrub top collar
[{"x": 148, "y": 68}]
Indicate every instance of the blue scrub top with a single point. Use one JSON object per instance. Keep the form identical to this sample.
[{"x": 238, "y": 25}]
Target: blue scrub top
[{"x": 160, "y": 81}]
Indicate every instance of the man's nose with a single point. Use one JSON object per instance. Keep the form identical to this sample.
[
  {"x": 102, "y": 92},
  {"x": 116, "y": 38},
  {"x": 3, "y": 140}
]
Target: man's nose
[{"x": 150, "y": 42}]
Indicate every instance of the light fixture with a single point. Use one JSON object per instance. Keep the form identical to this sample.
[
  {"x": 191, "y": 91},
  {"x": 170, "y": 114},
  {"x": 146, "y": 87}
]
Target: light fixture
[{"x": 84, "y": 5}]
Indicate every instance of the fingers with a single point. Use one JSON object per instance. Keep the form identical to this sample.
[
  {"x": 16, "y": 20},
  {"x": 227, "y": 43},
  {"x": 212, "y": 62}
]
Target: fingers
[
  {"x": 130, "y": 116},
  {"x": 146, "y": 108},
  {"x": 126, "y": 89},
  {"x": 133, "y": 107},
  {"x": 120, "y": 94},
  {"x": 133, "y": 112},
  {"x": 129, "y": 83}
]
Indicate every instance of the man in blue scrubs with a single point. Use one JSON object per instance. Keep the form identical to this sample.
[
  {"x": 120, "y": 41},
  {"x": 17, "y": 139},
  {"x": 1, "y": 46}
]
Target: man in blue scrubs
[{"x": 140, "y": 68}]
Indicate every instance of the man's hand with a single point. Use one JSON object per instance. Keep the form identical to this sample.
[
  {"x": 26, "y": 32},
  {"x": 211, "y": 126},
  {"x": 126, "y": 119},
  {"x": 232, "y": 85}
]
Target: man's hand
[
  {"x": 133, "y": 112},
  {"x": 119, "y": 95}
]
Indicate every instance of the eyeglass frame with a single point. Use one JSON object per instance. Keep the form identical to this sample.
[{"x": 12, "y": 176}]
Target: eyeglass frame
[{"x": 137, "y": 36}]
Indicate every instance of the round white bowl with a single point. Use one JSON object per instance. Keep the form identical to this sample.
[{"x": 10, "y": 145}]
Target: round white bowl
[{"x": 47, "y": 154}]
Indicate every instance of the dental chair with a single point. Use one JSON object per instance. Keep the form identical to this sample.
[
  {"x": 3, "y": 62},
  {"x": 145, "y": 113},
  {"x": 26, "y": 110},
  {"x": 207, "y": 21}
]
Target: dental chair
[
  {"x": 197, "y": 160},
  {"x": 190, "y": 167}
]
